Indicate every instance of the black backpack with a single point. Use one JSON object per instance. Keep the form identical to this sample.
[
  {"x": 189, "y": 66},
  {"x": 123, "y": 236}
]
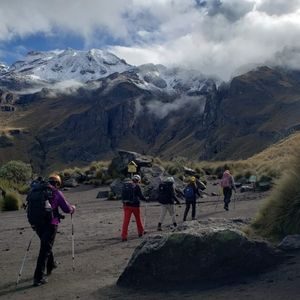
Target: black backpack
[
  {"x": 39, "y": 210},
  {"x": 128, "y": 192},
  {"x": 165, "y": 192}
]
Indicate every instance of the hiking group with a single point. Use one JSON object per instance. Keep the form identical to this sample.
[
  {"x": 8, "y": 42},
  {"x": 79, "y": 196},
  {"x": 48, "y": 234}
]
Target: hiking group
[
  {"x": 132, "y": 194},
  {"x": 44, "y": 201}
]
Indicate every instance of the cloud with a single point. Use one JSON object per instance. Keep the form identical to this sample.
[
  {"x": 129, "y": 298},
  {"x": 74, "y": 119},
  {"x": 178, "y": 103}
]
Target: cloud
[
  {"x": 22, "y": 18},
  {"x": 279, "y": 7},
  {"x": 161, "y": 110},
  {"x": 219, "y": 41},
  {"x": 217, "y": 37}
]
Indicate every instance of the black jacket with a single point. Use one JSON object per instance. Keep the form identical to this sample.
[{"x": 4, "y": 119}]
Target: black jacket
[{"x": 138, "y": 195}]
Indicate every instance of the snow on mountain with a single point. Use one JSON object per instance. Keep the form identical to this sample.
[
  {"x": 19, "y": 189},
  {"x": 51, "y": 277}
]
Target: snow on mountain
[
  {"x": 61, "y": 65},
  {"x": 173, "y": 80},
  {"x": 52, "y": 68},
  {"x": 3, "y": 68}
]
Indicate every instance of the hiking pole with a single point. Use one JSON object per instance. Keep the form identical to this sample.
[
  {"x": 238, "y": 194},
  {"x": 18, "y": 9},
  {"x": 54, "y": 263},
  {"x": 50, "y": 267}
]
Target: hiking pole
[
  {"x": 73, "y": 246},
  {"x": 234, "y": 200},
  {"x": 23, "y": 262},
  {"x": 219, "y": 198},
  {"x": 145, "y": 215}
]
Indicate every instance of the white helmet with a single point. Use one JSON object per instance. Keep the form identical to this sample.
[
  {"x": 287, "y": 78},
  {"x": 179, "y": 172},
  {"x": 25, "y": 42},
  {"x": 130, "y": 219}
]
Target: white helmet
[
  {"x": 170, "y": 179},
  {"x": 136, "y": 178}
]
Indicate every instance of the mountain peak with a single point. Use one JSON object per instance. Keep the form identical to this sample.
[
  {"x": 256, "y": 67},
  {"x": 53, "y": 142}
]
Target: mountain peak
[{"x": 69, "y": 64}]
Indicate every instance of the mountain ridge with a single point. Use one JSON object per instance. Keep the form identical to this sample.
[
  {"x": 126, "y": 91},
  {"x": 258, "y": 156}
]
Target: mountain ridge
[{"x": 151, "y": 109}]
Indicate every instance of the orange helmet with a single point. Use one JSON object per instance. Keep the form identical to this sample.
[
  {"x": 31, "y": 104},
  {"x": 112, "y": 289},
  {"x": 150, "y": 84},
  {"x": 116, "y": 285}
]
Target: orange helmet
[{"x": 55, "y": 178}]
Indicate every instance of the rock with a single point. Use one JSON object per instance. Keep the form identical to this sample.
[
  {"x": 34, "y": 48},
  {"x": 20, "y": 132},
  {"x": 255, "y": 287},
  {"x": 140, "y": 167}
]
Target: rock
[
  {"x": 116, "y": 187},
  {"x": 264, "y": 186},
  {"x": 103, "y": 194},
  {"x": 119, "y": 164},
  {"x": 199, "y": 253},
  {"x": 246, "y": 188},
  {"x": 71, "y": 182},
  {"x": 189, "y": 171},
  {"x": 290, "y": 242}
]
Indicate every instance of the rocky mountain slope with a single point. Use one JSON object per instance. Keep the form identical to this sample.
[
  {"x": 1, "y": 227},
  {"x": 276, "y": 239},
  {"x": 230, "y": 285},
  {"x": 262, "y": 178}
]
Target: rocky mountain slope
[{"x": 73, "y": 107}]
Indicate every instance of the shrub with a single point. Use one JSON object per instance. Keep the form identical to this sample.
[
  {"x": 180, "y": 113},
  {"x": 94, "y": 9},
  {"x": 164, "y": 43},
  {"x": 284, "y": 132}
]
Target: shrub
[
  {"x": 11, "y": 201},
  {"x": 280, "y": 215},
  {"x": 16, "y": 171}
]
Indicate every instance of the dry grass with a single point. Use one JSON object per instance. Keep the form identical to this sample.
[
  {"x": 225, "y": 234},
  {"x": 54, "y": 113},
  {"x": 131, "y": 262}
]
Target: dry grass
[{"x": 280, "y": 215}]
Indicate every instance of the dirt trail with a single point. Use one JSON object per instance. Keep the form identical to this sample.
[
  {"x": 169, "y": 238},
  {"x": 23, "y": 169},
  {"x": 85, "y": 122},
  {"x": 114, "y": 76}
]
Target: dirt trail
[{"x": 100, "y": 257}]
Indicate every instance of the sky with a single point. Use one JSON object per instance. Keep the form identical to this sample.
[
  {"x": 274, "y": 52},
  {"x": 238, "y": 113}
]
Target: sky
[{"x": 216, "y": 37}]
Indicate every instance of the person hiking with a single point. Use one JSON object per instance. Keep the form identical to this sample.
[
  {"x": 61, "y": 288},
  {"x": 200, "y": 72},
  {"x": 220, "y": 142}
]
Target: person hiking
[
  {"x": 166, "y": 197},
  {"x": 190, "y": 194},
  {"x": 227, "y": 184},
  {"x": 131, "y": 196},
  {"x": 46, "y": 229}
]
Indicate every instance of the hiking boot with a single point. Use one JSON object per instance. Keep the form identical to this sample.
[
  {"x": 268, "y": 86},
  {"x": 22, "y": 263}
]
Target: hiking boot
[
  {"x": 226, "y": 207},
  {"x": 50, "y": 269},
  {"x": 175, "y": 225},
  {"x": 38, "y": 282},
  {"x": 124, "y": 240}
]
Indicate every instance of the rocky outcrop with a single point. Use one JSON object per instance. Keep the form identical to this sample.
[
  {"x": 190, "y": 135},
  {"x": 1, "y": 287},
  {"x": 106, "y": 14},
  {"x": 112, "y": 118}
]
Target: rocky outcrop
[
  {"x": 290, "y": 242},
  {"x": 214, "y": 252}
]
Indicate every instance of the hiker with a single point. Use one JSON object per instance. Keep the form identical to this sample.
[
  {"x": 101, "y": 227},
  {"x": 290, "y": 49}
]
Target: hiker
[
  {"x": 46, "y": 229},
  {"x": 190, "y": 194},
  {"x": 131, "y": 196},
  {"x": 227, "y": 184},
  {"x": 166, "y": 197}
]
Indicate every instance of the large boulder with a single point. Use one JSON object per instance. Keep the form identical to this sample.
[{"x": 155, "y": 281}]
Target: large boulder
[
  {"x": 120, "y": 163},
  {"x": 197, "y": 254}
]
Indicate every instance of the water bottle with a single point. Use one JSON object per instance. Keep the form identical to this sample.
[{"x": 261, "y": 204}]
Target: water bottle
[{"x": 48, "y": 207}]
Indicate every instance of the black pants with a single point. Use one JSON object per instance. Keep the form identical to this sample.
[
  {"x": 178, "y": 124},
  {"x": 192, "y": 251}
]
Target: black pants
[
  {"x": 227, "y": 191},
  {"x": 188, "y": 204},
  {"x": 47, "y": 235}
]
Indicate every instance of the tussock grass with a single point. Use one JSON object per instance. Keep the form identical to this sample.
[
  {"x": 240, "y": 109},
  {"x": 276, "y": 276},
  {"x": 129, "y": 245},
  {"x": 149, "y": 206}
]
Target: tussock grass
[
  {"x": 11, "y": 201},
  {"x": 280, "y": 215},
  {"x": 7, "y": 185}
]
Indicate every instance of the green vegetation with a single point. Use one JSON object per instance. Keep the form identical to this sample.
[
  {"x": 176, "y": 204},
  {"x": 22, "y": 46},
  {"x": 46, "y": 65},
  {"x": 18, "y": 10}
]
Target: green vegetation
[
  {"x": 16, "y": 171},
  {"x": 11, "y": 201},
  {"x": 95, "y": 173},
  {"x": 280, "y": 215}
]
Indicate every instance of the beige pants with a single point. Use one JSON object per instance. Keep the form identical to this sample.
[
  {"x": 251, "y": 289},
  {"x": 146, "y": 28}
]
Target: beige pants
[{"x": 167, "y": 208}]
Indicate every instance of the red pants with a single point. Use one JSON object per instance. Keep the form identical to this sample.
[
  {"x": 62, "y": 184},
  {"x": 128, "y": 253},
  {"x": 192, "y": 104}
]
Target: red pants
[{"x": 128, "y": 210}]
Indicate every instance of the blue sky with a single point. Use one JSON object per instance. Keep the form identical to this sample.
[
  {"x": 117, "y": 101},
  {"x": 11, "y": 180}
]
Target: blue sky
[{"x": 218, "y": 37}]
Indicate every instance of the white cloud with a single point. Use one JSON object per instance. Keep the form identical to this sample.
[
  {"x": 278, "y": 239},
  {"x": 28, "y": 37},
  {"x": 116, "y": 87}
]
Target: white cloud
[{"x": 216, "y": 36}]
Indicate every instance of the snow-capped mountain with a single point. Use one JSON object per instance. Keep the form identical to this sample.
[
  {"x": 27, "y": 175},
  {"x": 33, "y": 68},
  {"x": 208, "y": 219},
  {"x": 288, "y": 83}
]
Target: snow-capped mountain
[
  {"x": 61, "y": 65},
  {"x": 172, "y": 80},
  {"x": 3, "y": 68},
  {"x": 49, "y": 69}
]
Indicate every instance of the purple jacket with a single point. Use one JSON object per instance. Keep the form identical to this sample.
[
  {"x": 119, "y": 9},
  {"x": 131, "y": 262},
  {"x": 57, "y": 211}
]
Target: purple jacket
[{"x": 59, "y": 201}]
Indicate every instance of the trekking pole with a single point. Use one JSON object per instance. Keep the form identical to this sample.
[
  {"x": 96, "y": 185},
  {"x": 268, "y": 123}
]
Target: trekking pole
[
  {"x": 234, "y": 200},
  {"x": 219, "y": 198},
  {"x": 145, "y": 215},
  {"x": 73, "y": 246},
  {"x": 23, "y": 262}
]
